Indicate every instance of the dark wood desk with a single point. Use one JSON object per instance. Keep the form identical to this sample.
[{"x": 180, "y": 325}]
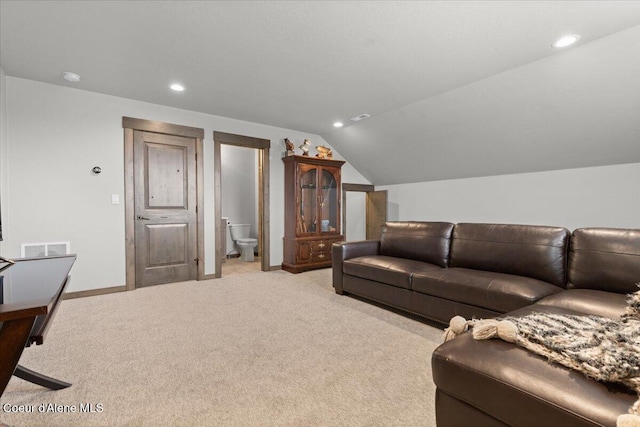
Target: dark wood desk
[{"x": 30, "y": 291}]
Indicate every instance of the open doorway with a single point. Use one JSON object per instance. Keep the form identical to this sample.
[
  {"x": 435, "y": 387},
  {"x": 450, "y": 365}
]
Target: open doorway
[
  {"x": 242, "y": 220},
  {"x": 239, "y": 207},
  {"x": 367, "y": 211}
]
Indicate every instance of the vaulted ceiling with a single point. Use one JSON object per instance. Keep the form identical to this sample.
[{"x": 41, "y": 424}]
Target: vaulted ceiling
[{"x": 454, "y": 88}]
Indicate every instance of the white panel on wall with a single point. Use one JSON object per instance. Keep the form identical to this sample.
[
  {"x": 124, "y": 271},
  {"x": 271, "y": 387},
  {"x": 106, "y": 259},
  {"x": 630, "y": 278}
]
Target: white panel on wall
[{"x": 30, "y": 250}]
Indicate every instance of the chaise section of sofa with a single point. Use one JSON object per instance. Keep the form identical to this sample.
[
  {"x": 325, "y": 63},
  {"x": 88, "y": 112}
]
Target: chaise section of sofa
[
  {"x": 487, "y": 383},
  {"x": 474, "y": 379}
]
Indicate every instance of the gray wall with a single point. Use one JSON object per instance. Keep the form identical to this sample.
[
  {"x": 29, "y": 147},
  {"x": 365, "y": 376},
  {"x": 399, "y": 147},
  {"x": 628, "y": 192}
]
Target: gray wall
[
  {"x": 56, "y": 134},
  {"x": 3, "y": 155},
  {"x": 605, "y": 196}
]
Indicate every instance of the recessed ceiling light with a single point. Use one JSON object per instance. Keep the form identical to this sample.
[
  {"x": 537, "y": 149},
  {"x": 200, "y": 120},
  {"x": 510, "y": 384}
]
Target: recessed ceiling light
[
  {"x": 71, "y": 77},
  {"x": 177, "y": 87},
  {"x": 565, "y": 41},
  {"x": 338, "y": 125}
]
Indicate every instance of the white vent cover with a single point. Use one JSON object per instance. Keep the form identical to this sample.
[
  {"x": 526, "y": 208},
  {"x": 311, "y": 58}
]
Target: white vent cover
[
  {"x": 31, "y": 250},
  {"x": 360, "y": 117}
]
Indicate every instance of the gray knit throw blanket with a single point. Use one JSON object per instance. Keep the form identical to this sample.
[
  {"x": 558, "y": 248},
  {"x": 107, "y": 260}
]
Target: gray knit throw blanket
[{"x": 602, "y": 348}]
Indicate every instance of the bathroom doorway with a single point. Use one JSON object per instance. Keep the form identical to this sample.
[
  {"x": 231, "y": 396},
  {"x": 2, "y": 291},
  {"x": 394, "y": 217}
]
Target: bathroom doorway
[{"x": 246, "y": 168}]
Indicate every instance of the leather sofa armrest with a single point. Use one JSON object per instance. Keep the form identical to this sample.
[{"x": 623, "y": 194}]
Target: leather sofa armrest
[{"x": 343, "y": 251}]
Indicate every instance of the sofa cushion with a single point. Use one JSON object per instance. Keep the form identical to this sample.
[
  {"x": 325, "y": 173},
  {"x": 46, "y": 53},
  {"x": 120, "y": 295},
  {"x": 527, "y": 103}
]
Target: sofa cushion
[
  {"x": 487, "y": 374},
  {"x": 420, "y": 241},
  {"x": 607, "y": 259},
  {"x": 389, "y": 270},
  {"x": 494, "y": 291},
  {"x": 533, "y": 251},
  {"x": 378, "y": 292},
  {"x": 588, "y": 301}
]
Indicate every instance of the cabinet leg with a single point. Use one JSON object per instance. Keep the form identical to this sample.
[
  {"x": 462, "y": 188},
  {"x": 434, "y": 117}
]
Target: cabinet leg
[{"x": 37, "y": 378}]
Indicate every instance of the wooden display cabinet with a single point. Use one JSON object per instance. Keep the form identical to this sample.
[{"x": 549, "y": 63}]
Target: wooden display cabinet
[{"x": 312, "y": 212}]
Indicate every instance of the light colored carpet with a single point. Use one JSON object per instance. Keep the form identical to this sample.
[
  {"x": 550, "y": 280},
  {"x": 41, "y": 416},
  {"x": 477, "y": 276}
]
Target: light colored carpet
[{"x": 259, "y": 349}]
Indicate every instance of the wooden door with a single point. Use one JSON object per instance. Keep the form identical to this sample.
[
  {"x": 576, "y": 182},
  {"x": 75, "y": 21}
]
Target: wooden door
[
  {"x": 376, "y": 213},
  {"x": 165, "y": 208}
]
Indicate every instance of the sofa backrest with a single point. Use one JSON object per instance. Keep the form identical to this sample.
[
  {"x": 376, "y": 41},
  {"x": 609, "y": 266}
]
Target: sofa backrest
[
  {"x": 606, "y": 259},
  {"x": 533, "y": 251},
  {"x": 422, "y": 241}
]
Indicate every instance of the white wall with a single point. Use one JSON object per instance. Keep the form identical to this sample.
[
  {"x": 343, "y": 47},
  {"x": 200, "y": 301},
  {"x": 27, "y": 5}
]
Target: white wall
[
  {"x": 607, "y": 196},
  {"x": 239, "y": 187},
  {"x": 356, "y": 216},
  {"x": 3, "y": 154},
  {"x": 56, "y": 134}
]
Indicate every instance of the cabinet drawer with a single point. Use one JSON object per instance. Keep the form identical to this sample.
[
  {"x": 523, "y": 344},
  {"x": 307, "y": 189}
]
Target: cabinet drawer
[
  {"x": 323, "y": 245},
  {"x": 320, "y": 246},
  {"x": 314, "y": 251},
  {"x": 321, "y": 256}
]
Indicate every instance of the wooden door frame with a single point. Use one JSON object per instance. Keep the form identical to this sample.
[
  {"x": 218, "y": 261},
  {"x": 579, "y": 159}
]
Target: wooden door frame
[
  {"x": 130, "y": 125},
  {"x": 262, "y": 145},
  {"x": 362, "y": 188}
]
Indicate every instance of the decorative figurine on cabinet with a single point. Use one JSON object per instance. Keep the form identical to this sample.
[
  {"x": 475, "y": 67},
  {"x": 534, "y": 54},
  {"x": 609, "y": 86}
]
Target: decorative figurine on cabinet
[
  {"x": 290, "y": 147},
  {"x": 324, "y": 152},
  {"x": 305, "y": 147}
]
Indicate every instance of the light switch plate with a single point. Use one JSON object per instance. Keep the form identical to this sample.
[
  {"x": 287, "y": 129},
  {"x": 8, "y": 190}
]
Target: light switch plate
[{"x": 115, "y": 199}]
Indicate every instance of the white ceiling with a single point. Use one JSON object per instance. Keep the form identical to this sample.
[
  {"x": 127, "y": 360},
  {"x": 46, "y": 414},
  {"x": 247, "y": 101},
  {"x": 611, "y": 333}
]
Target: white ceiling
[{"x": 455, "y": 88}]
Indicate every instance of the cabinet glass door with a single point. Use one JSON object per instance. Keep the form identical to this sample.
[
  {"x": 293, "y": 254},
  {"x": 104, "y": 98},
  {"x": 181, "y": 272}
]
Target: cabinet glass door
[
  {"x": 308, "y": 201},
  {"x": 328, "y": 202}
]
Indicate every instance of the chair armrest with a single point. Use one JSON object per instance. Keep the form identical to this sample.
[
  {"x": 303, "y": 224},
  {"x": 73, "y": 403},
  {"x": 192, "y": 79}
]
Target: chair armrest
[{"x": 343, "y": 251}]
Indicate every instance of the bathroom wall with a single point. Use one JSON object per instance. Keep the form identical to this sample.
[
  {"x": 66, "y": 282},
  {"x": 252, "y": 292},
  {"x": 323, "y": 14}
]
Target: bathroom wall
[{"x": 239, "y": 187}]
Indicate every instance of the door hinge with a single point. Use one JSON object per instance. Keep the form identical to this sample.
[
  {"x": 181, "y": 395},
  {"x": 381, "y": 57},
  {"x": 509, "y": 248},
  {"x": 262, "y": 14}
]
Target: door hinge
[
  {"x": 197, "y": 260},
  {"x": 196, "y": 209}
]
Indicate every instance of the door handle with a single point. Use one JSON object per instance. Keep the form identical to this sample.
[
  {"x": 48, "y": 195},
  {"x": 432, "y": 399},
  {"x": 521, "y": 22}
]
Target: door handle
[{"x": 141, "y": 218}]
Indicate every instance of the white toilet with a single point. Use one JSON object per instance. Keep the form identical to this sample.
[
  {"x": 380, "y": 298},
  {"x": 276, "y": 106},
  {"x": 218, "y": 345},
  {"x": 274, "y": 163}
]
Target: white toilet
[{"x": 240, "y": 235}]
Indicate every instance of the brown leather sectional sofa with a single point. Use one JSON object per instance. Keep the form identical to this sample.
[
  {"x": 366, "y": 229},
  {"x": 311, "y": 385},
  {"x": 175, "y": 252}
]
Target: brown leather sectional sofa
[{"x": 438, "y": 270}]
